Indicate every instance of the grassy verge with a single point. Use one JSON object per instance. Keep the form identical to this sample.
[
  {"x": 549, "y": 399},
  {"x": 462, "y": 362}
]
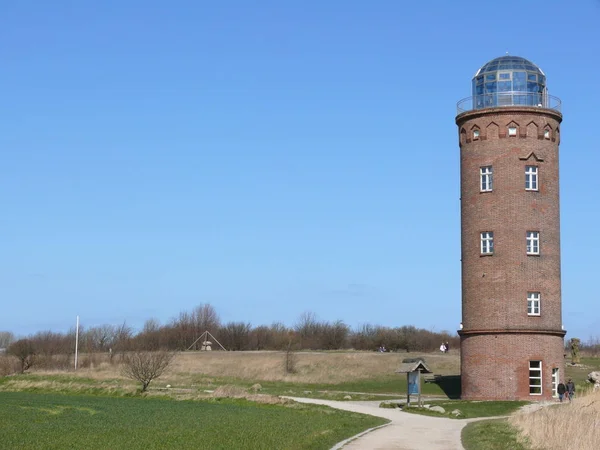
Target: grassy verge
[
  {"x": 391, "y": 386},
  {"x": 42, "y": 421},
  {"x": 469, "y": 410},
  {"x": 491, "y": 435},
  {"x": 67, "y": 384},
  {"x": 381, "y": 388}
]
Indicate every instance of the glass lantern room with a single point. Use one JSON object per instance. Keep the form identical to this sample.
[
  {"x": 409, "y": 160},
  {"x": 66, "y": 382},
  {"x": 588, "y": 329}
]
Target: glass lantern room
[{"x": 507, "y": 81}]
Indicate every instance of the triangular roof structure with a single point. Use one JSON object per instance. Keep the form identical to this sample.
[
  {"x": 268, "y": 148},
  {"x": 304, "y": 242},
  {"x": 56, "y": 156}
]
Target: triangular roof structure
[
  {"x": 413, "y": 365},
  {"x": 206, "y": 342}
]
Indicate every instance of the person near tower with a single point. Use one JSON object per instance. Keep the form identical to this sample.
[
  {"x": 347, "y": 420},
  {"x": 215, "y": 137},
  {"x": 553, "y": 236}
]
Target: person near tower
[
  {"x": 570, "y": 389},
  {"x": 561, "y": 389}
]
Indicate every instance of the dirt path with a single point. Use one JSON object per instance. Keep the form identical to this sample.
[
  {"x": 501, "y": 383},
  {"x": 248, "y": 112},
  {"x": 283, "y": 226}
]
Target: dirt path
[{"x": 406, "y": 431}]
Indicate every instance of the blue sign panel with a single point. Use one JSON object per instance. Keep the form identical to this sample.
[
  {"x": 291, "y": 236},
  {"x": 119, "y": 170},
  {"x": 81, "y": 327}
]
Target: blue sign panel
[{"x": 413, "y": 383}]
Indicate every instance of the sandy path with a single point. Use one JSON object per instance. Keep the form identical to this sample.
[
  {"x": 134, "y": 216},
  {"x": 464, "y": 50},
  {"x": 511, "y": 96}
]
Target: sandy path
[{"x": 405, "y": 431}]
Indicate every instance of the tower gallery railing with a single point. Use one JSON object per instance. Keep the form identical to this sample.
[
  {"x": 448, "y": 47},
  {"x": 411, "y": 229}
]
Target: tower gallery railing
[{"x": 500, "y": 99}]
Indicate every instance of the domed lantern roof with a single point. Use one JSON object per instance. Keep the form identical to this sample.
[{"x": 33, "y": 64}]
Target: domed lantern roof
[
  {"x": 508, "y": 81},
  {"x": 509, "y": 63}
]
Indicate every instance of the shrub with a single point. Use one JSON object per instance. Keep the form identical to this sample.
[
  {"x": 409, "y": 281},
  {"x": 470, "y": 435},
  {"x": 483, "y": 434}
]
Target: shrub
[
  {"x": 8, "y": 365},
  {"x": 146, "y": 366},
  {"x": 24, "y": 351}
]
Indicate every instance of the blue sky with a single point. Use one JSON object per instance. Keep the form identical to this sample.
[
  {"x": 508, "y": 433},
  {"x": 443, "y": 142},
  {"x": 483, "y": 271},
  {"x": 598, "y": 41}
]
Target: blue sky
[{"x": 268, "y": 158}]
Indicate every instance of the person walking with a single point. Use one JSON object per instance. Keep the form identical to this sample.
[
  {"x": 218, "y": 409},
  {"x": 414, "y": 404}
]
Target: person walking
[
  {"x": 570, "y": 389},
  {"x": 561, "y": 389}
]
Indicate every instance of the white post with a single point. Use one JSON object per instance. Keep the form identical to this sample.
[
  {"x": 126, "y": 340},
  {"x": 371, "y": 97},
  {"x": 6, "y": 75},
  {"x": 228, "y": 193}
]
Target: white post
[{"x": 76, "y": 341}]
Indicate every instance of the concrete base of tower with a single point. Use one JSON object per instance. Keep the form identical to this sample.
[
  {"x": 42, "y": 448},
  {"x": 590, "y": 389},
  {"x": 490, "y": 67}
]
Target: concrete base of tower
[{"x": 511, "y": 365}]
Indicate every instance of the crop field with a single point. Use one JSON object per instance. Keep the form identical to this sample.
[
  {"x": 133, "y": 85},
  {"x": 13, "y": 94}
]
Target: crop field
[
  {"x": 42, "y": 421},
  {"x": 229, "y": 400}
]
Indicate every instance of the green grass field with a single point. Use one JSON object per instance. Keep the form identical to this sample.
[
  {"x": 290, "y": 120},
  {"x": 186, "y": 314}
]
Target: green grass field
[
  {"x": 54, "y": 421},
  {"x": 470, "y": 409},
  {"x": 491, "y": 435}
]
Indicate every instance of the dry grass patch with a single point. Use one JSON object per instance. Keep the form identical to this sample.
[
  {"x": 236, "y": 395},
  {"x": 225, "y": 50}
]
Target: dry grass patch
[
  {"x": 563, "y": 426},
  {"x": 311, "y": 367},
  {"x": 354, "y": 371},
  {"x": 16, "y": 384},
  {"x": 231, "y": 391}
]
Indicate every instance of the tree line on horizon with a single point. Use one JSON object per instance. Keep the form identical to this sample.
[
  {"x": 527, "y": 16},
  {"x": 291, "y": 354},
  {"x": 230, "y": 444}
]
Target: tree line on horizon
[{"x": 182, "y": 332}]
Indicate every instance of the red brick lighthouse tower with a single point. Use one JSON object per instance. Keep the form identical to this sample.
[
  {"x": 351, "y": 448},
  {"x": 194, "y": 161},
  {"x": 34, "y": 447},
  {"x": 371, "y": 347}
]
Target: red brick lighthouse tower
[{"x": 512, "y": 338}]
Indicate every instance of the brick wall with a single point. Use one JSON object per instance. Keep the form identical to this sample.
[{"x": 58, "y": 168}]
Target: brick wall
[
  {"x": 494, "y": 288},
  {"x": 496, "y": 366}
]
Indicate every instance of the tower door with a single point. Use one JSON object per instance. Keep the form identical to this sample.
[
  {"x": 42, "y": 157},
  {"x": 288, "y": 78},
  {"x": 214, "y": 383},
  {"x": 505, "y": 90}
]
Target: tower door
[{"x": 555, "y": 381}]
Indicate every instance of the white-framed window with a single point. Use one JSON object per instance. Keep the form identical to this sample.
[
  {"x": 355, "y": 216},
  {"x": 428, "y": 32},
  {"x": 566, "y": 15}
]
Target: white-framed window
[
  {"x": 546, "y": 134},
  {"x": 555, "y": 381},
  {"x": 486, "y": 179},
  {"x": 533, "y": 242},
  {"x": 531, "y": 178},
  {"x": 533, "y": 303},
  {"x": 475, "y": 134},
  {"x": 487, "y": 242},
  {"x": 512, "y": 131},
  {"x": 535, "y": 378}
]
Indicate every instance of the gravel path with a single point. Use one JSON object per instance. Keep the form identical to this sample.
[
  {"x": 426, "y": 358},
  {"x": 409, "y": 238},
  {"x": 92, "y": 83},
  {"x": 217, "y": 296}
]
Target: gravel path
[{"x": 406, "y": 431}]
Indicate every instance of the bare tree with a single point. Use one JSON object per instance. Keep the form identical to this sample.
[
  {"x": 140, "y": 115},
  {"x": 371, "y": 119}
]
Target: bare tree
[
  {"x": 182, "y": 331},
  {"x": 307, "y": 324},
  {"x": 24, "y": 350},
  {"x": 6, "y": 338},
  {"x": 235, "y": 335},
  {"x": 575, "y": 357},
  {"x": 308, "y": 329},
  {"x": 260, "y": 338},
  {"x": 52, "y": 349},
  {"x": 334, "y": 335},
  {"x": 146, "y": 366},
  {"x": 280, "y": 334},
  {"x": 122, "y": 340},
  {"x": 289, "y": 363},
  {"x": 151, "y": 326},
  {"x": 150, "y": 336},
  {"x": 100, "y": 338},
  {"x": 49, "y": 343},
  {"x": 206, "y": 318}
]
